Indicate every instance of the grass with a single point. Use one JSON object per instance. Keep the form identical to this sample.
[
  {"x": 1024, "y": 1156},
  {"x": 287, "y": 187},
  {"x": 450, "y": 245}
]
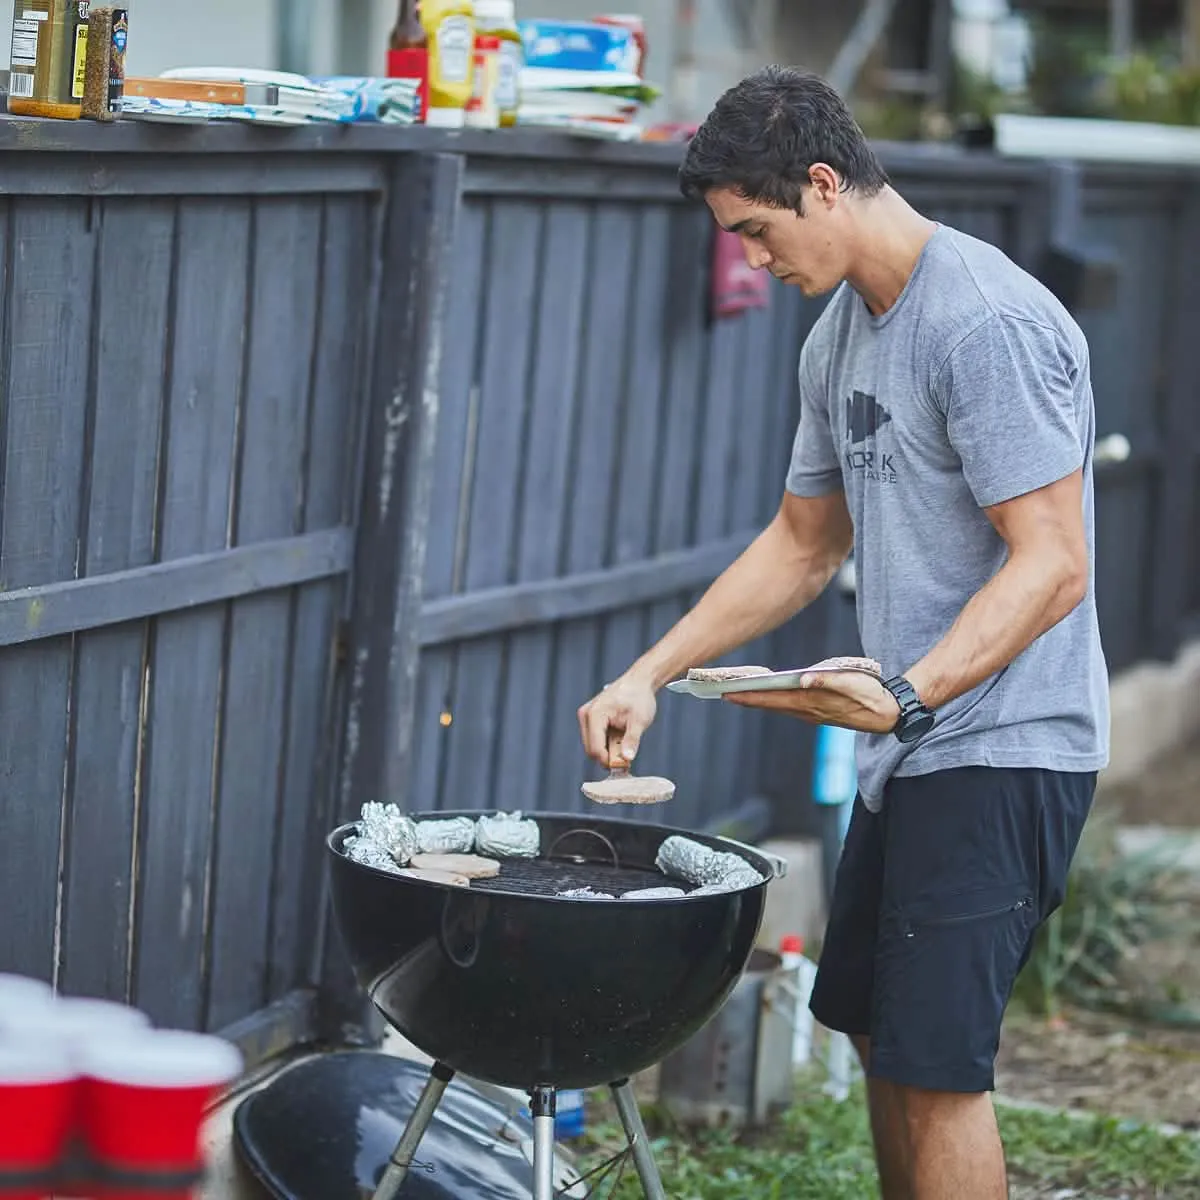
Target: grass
[{"x": 821, "y": 1150}]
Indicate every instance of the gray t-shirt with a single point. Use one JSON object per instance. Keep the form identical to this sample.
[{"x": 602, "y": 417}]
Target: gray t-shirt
[{"x": 972, "y": 389}]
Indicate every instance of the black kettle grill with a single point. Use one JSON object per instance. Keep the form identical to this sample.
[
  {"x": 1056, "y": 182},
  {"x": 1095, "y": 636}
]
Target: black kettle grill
[{"x": 510, "y": 983}]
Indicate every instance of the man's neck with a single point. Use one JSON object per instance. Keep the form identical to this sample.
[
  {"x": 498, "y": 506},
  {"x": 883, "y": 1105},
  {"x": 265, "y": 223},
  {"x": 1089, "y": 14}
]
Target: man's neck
[{"x": 890, "y": 238}]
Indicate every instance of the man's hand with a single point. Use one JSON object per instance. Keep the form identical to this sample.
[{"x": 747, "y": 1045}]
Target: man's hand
[
  {"x": 625, "y": 708},
  {"x": 850, "y": 699}
]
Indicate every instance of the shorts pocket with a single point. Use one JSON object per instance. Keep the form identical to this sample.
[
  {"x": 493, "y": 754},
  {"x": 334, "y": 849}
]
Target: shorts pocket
[{"x": 944, "y": 974}]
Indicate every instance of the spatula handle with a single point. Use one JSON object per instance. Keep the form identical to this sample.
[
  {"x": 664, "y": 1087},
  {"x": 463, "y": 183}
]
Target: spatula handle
[{"x": 618, "y": 767}]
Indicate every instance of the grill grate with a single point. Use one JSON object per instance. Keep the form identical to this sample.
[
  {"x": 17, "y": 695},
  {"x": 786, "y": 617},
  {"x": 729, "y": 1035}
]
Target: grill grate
[{"x": 548, "y": 877}]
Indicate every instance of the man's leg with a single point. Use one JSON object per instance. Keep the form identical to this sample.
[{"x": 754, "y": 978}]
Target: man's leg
[
  {"x": 889, "y": 1129},
  {"x": 953, "y": 1146},
  {"x": 974, "y": 860}
]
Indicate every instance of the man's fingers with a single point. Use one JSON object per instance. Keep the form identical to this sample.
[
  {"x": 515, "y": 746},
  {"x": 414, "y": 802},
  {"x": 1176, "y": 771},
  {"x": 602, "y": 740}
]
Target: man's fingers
[{"x": 631, "y": 743}]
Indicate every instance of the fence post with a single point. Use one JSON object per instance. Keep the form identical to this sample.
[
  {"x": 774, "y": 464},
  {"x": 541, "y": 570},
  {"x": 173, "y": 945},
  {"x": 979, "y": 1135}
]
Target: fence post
[
  {"x": 423, "y": 201},
  {"x": 1174, "y": 551}
]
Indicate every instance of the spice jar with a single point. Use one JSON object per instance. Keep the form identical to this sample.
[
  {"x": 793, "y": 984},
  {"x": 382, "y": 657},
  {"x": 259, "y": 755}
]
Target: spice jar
[
  {"x": 104, "y": 73},
  {"x": 49, "y": 57},
  {"x": 496, "y": 20}
]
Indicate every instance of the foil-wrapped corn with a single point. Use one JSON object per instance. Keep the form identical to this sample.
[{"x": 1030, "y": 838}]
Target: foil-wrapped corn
[
  {"x": 387, "y": 826},
  {"x": 508, "y": 835},
  {"x": 698, "y": 864},
  {"x": 656, "y": 893},
  {"x": 455, "y": 835},
  {"x": 370, "y": 854}
]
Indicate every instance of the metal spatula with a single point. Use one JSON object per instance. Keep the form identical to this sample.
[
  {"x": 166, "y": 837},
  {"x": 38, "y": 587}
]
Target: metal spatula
[{"x": 623, "y": 788}]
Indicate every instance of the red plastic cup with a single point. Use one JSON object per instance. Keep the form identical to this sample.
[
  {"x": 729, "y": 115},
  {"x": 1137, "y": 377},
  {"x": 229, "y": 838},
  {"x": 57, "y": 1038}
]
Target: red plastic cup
[
  {"x": 144, "y": 1099},
  {"x": 39, "y": 1088}
]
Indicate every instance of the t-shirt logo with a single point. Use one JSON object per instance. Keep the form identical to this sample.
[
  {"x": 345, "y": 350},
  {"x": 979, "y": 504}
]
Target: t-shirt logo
[{"x": 865, "y": 417}]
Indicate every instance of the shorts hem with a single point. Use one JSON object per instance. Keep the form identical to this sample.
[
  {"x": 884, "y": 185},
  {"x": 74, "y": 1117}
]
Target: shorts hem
[{"x": 931, "y": 1079}]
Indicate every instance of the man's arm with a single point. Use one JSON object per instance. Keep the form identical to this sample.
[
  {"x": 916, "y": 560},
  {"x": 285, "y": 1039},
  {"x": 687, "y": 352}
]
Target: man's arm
[
  {"x": 1044, "y": 578},
  {"x": 1042, "y": 581},
  {"x": 784, "y": 569}
]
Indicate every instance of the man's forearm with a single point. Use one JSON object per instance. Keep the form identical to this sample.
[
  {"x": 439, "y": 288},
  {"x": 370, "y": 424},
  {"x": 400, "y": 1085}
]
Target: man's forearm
[
  {"x": 1025, "y": 598},
  {"x": 769, "y": 583}
]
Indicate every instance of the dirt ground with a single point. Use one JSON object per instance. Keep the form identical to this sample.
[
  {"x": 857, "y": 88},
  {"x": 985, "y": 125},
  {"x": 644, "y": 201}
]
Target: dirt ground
[{"x": 1116, "y": 1064}]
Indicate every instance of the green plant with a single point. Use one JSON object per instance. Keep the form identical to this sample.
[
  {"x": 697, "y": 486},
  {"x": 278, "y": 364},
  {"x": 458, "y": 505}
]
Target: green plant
[
  {"x": 1114, "y": 903},
  {"x": 821, "y": 1150}
]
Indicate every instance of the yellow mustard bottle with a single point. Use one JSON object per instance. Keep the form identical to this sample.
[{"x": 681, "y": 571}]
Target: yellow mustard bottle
[
  {"x": 49, "y": 58},
  {"x": 450, "y": 27}
]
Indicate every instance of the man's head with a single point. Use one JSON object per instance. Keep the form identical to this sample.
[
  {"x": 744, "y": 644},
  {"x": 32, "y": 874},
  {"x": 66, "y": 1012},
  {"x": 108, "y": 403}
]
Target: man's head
[{"x": 776, "y": 160}]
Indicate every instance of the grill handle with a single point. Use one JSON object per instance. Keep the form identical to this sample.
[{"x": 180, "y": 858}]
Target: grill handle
[{"x": 778, "y": 865}]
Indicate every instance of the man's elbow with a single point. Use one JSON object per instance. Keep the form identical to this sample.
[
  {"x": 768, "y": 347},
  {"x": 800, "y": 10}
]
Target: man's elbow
[{"x": 1071, "y": 579}]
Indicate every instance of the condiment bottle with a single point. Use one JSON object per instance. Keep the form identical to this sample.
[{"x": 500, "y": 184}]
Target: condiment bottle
[
  {"x": 482, "y": 110},
  {"x": 450, "y": 28},
  {"x": 497, "y": 19},
  {"x": 49, "y": 58},
  {"x": 408, "y": 50}
]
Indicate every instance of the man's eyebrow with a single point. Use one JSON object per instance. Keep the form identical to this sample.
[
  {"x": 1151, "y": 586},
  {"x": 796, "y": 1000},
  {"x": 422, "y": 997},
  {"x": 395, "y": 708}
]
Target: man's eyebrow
[{"x": 737, "y": 227}]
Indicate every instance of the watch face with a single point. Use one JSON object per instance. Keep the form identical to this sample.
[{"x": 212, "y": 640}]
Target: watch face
[{"x": 916, "y": 726}]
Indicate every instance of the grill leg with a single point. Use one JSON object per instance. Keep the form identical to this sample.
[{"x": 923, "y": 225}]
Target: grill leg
[
  {"x": 544, "y": 1105},
  {"x": 635, "y": 1131},
  {"x": 402, "y": 1156}
]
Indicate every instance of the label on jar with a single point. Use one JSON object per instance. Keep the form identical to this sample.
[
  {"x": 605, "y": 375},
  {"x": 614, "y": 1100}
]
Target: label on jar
[
  {"x": 455, "y": 43},
  {"x": 508, "y": 75},
  {"x": 79, "y": 69},
  {"x": 25, "y": 39}
]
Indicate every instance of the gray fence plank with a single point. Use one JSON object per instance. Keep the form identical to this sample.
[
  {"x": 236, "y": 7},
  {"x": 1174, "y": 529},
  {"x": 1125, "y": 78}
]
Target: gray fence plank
[
  {"x": 49, "y": 257},
  {"x": 544, "y": 502},
  {"x": 302, "y": 819},
  {"x": 673, "y": 740},
  {"x": 640, "y": 448},
  {"x": 133, "y": 290},
  {"x": 283, "y": 310},
  {"x": 592, "y": 510},
  {"x": 456, "y": 439},
  {"x": 498, "y": 466},
  {"x": 209, "y": 322}
]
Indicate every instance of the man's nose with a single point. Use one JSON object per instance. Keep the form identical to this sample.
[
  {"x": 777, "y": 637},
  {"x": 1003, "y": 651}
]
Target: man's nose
[{"x": 757, "y": 255}]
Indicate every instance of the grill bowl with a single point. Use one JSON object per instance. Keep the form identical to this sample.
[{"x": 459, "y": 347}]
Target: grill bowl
[{"x": 526, "y": 990}]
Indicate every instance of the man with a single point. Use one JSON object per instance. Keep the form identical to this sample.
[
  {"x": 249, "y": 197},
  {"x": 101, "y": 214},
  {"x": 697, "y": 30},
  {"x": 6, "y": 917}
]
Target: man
[{"x": 946, "y": 436}]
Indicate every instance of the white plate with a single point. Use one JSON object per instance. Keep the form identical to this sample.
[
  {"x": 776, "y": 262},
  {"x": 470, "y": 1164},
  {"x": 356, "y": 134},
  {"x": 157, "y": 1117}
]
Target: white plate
[{"x": 776, "y": 681}]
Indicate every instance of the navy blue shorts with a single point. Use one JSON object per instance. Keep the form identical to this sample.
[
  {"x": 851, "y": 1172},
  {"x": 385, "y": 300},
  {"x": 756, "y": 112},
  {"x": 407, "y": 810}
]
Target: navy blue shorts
[{"x": 936, "y": 902}]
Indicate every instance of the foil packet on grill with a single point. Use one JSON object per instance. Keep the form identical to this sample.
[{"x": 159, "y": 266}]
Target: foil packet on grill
[
  {"x": 655, "y": 893},
  {"x": 370, "y": 854},
  {"x": 699, "y": 864},
  {"x": 735, "y": 881},
  {"x": 508, "y": 835},
  {"x": 584, "y": 893},
  {"x": 387, "y": 826},
  {"x": 455, "y": 835}
]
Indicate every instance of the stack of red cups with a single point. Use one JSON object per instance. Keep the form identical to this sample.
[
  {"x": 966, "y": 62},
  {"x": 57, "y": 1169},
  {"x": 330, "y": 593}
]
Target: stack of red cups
[{"x": 95, "y": 1104}]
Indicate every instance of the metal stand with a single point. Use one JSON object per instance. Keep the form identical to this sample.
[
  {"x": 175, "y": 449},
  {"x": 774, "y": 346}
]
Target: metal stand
[
  {"x": 543, "y": 1105},
  {"x": 635, "y": 1131},
  {"x": 414, "y": 1131}
]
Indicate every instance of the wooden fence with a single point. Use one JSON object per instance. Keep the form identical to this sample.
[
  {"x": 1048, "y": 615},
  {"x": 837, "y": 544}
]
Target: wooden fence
[{"x": 343, "y": 465}]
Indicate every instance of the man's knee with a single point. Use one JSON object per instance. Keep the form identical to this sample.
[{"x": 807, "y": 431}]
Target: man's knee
[
  {"x": 925, "y": 1107},
  {"x": 862, "y": 1045}
]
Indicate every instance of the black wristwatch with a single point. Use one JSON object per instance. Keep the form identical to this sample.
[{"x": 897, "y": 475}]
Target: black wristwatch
[{"x": 915, "y": 719}]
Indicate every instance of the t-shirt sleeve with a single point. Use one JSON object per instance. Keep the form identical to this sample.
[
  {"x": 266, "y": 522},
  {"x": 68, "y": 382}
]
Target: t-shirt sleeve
[
  {"x": 815, "y": 469},
  {"x": 1010, "y": 392}
]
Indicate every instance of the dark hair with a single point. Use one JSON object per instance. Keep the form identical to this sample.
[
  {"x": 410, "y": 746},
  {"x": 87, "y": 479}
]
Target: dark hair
[{"x": 763, "y": 135}]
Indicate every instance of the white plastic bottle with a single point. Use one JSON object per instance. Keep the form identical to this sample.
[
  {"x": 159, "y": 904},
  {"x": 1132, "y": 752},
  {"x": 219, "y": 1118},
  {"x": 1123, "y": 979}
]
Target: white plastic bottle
[{"x": 791, "y": 950}]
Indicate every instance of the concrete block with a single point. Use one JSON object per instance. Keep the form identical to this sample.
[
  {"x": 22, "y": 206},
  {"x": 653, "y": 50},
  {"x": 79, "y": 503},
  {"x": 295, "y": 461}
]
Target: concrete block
[
  {"x": 1154, "y": 710},
  {"x": 796, "y": 903}
]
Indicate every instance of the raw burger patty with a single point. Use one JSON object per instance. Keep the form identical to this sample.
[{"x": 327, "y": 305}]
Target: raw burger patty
[
  {"x": 470, "y": 866},
  {"x": 724, "y": 674},
  {"x": 429, "y": 876},
  {"x": 852, "y": 664}
]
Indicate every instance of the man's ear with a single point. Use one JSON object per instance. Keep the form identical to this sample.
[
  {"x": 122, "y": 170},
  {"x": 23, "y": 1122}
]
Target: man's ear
[{"x": 825, "y": 186}]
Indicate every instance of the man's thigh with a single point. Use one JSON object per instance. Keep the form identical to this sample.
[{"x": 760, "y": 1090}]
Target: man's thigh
[{"x": 974, "y": 859}]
